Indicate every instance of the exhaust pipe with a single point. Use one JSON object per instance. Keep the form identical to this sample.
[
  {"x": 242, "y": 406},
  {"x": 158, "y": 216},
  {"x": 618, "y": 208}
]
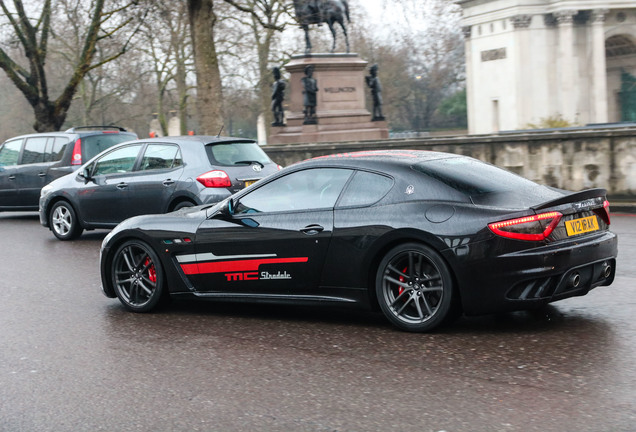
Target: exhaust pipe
[
  {"x": 607, "y": 270},
  {"x": 575, "y": 280}
]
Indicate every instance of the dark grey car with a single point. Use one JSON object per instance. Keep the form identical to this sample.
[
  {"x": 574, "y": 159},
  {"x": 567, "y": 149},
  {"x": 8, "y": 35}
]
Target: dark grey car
[
  {"x": 155, "y": 175},
  {"x": 28, "y": 162}
]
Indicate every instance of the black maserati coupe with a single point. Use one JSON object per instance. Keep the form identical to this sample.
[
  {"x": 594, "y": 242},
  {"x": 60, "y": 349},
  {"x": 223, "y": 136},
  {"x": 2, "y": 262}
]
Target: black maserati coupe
[{"x": 423, "y": 236}]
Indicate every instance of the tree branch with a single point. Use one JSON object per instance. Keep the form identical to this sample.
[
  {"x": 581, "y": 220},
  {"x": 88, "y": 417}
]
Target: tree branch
[{"x": 255, "y": 15}]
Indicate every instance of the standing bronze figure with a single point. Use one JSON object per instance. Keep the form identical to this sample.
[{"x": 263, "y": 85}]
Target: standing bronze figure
[
  {"x": 278, "y": 95},
  {"x": 310, "y": 88},
  {"x": 322, "y": 11},
  {"x": 373, "y": 82}
]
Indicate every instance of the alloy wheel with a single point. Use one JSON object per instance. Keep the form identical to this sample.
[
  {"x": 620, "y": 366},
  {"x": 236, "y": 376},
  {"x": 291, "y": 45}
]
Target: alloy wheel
[{"x": 137, "y": 276}]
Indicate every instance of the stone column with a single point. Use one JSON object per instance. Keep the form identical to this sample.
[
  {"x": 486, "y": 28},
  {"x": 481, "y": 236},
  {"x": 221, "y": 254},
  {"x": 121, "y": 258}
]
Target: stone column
[
  {"x": 599, "y": 70},
  {"x": 566, "y": 65},
  {"x": 524, "y": 78},
  {"x": 470, "y": 68}
]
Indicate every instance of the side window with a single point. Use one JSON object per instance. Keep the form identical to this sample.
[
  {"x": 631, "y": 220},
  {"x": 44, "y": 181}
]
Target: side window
[
  {"x": 178, "y": 160},
  {"x": 159, "y": 156},
  {"x": 302, "y": 190},
  {"x": 9, "y": 152},
  {"x": 56, "y": 148},
  {"x": 121, "y": 160},
  {"x": 34, "y": 150},
  {"x": 365, "y": 189}
]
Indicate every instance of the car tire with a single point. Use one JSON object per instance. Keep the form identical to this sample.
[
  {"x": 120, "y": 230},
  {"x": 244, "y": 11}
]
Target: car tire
[
  {"x": 414, "y": 287},
  {"x": 64, "y": 222},
  {"x": 137, "y": 276},
  {"x": 183, "y": 204}
]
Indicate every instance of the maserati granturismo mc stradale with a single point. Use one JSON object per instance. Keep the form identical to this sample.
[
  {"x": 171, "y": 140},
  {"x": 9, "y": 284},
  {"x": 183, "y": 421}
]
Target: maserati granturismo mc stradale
[{"x": 422, "y": 236}]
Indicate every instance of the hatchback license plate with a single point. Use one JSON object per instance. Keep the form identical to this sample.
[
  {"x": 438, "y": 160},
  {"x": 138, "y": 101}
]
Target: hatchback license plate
[
  {"x": 581, "y": 226},
  {"x": 249, "y": 183}
]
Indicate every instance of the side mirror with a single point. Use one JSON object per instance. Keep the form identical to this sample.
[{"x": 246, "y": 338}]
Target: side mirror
[
  {"x": 227, "y": 210},
  {"x": 86, "y": 174}
]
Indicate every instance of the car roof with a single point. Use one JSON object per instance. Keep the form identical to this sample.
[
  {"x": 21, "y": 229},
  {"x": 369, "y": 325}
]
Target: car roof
[
  {"x": 378, "y": 159},
  {"x": 71, "y": 132}
]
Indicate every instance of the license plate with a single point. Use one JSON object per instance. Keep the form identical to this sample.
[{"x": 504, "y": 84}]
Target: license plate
[
  {"x": 582, "y": 225},
  {"x": 249, "y": 183}
]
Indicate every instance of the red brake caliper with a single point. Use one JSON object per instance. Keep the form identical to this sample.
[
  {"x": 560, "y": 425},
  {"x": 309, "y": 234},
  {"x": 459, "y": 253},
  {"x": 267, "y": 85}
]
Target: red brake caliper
[
  {"x": 152, "y": 273},
  {"x": 401, "y": 290}
]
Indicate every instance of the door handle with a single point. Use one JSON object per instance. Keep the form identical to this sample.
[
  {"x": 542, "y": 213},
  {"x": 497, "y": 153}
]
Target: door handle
[
  {"x": 42, "y": 174},
  {"x": 122, "y": 185},
  {"x": 11, "y": 177},
  {"x": 312, "y": 229},
  {"x": 168, "y": 182}
]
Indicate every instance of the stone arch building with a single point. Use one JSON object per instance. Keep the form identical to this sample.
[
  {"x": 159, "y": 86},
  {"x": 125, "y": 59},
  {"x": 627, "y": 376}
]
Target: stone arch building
[{"x": 530, "y": 60}]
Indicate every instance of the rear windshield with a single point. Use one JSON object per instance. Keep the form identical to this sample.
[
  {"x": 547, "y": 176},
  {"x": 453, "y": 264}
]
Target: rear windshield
[
  {"x": 95, "y": 144},
  {"x": 236, "y": 153},
  {"x": 486, "y": 184},
  {"x": 473, "y": 177}
]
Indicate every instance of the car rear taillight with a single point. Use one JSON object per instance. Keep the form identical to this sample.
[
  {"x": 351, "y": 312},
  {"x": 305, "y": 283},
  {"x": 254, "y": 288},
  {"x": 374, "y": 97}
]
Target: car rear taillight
[
  {"x": 279, "y": 167},
  {"x": 215, "y": 179},
  {"x": 604, "y": 213},
  {"x": 533, "y": 228},
  {"x": 76, "y": 159}
]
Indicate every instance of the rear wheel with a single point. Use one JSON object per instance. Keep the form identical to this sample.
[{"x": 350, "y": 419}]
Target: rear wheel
[
  {"x": 63, "y": 221},
  {"x": 414, "y": 287},
  {"x": 137, "y": 276}
]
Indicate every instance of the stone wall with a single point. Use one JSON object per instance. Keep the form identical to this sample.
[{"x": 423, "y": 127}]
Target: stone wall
[{"x": 573, "y": 159}]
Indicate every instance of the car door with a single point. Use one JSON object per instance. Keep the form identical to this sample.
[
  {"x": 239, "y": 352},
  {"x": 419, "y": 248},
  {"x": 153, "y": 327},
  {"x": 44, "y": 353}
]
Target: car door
[
  {"x": 152, "y": 185},
  {"x": 9, "y": 155},
  {"x": 31, "y": 171},
  {"x": 104, "y": 199},
  {"x": 276, "y": 240}
]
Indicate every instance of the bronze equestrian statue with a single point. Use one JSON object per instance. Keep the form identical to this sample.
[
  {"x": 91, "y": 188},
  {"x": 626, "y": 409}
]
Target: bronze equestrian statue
[{"x": 322, "y": 11}]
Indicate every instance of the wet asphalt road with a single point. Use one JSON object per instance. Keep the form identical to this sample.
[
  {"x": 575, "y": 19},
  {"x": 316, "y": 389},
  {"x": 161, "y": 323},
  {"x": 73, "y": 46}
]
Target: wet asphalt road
[{"x": 73, "y": 360}]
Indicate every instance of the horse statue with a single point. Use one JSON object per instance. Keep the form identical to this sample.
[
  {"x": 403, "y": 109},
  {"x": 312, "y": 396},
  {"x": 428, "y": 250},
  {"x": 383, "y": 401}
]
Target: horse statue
[{"x": 322, "y": 11}]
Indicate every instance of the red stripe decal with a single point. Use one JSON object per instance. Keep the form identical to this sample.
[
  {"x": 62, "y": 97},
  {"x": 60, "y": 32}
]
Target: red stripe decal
[{"x": 235, "y": 266}]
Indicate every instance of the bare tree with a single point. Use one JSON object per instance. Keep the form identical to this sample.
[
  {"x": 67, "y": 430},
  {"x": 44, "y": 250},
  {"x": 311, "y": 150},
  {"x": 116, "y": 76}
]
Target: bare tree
[
  {"x": 203, "y": 21},
  {"x": 209, "y": 87},
  {"x": 436, "y": 46},
  {"x": 421, "y": 60},
  {"x": 33, "y": 36},
  {"x": 268, "y": 19},
  {"x": 166, "y": 42}
]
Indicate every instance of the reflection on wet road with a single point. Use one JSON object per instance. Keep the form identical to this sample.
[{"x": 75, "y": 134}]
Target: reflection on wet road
[{"x": 73, "y": 360}]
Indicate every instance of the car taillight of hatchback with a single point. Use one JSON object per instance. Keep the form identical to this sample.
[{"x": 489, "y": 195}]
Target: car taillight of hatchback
[{"x": 215, "y": 179}]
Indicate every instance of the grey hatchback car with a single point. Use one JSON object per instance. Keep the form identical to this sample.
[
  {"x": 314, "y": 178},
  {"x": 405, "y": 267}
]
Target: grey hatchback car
[
  {"x": 28, "y": 162},
  {"x": 155, "y": 175}
]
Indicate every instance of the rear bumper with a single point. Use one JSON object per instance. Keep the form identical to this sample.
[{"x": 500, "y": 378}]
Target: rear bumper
[{"x": 535, "y": 277}]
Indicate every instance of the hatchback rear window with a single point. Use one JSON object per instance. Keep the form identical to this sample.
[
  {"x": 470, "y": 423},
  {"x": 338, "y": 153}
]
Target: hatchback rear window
[
  {"x": 92, "y": 145},
  {"x": 236, "y": 153}
]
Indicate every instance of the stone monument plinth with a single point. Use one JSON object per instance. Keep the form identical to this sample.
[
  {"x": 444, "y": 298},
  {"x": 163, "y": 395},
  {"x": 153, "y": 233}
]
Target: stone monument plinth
[{"x": 341, "y": 111}]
